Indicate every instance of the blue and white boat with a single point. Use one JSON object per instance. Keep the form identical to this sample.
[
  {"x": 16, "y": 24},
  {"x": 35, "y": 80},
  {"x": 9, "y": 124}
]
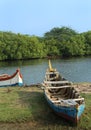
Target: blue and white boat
[
  {"x": 62, "y": 97},
  {"x": 11, "y": 80}
]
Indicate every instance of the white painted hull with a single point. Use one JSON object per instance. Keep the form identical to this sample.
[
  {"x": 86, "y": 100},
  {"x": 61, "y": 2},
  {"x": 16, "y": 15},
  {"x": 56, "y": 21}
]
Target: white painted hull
[{"x": 15, "y": 79}]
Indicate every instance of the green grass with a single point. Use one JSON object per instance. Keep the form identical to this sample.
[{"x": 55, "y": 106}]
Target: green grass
[{"x": 26, "y": 109}]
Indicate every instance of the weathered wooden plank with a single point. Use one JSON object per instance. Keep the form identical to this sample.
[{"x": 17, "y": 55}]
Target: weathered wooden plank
[
  {"x": 78, "y": 99},
  {"x": 58, "y": 87},
  {"x": 52, "y": 73},
  {"x": 71, "y": 100},
  {"x": 56, "y": 82}
]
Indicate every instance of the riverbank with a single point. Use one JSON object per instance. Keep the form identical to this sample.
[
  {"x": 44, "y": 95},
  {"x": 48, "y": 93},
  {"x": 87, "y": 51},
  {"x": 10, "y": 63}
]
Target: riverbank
[
  {"x": 80, "y": 87},
  {"x": 83, "y": 87},
  {"x": 25, "y": 108}
]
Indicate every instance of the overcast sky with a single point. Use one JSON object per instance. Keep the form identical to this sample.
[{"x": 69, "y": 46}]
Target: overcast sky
[{"x": 36, "y": 17}]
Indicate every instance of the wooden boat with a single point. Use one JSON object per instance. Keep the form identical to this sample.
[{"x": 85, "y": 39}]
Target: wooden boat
[
  {"x": 11, "y": 80},
  {"x": 62, "y": 96}
]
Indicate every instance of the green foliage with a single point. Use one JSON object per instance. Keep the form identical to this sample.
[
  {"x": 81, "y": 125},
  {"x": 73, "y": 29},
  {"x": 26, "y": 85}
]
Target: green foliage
[
  {"x": 51, "y": 47},
  {"x": 67, "y": 41},
  {"x": 64, "y": 42},
  {"x": 17, "y": 46},
  {"x": 87, "y": 36},
  {"x": 76, "y": 45},
  {"x": 58, "y": 32}
]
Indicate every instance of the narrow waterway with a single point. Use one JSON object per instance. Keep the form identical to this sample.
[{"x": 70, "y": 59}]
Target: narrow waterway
[{"x": 33, "y": 71}]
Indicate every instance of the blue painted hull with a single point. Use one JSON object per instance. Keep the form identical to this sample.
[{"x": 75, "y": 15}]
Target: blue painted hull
[
  {"x": 17, "y": 84},
  {"x": 71, "y": 113},
  {"x": 62, "y": 96}
]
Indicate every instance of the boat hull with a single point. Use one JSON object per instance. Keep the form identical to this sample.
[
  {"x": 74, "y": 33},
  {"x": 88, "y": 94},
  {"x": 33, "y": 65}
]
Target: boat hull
[
  {"x": 61, "y": 96},
  {"x": 13, "y": 80},
  {"x": 70, "y": 113}
]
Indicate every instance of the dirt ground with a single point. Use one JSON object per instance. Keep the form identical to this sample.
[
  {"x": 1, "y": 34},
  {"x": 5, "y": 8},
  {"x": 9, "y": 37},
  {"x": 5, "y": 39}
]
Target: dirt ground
[{"x": 83, "y": 87}]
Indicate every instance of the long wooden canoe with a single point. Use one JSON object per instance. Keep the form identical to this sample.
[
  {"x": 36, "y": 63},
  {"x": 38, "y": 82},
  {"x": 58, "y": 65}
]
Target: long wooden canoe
[{"x": 62, "y": 96}]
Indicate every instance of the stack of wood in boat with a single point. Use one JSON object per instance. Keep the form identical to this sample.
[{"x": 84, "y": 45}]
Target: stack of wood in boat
[{"x": 62, "y": 96}]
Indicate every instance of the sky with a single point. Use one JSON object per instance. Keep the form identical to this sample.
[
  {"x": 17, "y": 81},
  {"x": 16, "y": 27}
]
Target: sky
[{"x": 36, "y": 17}]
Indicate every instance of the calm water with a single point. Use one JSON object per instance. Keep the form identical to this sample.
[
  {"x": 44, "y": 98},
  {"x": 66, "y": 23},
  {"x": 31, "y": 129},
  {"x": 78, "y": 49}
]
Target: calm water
[{"x": 33, "y": 71}]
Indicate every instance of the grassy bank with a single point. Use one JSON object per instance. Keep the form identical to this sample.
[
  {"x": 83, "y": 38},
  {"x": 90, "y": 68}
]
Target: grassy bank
[{"x": 27, "y": 109}]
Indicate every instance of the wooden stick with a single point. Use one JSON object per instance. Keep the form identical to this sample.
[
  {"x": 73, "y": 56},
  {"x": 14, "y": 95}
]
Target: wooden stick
[
  {"x": 52, "y": 73},
  {"x": 77, "y": 99},
  {"x": 58, "y": 87},
  {"x": 56, "y": 82}
]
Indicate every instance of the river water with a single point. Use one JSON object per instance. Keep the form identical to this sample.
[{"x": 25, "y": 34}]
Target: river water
[{"x": 33, "y": 71}]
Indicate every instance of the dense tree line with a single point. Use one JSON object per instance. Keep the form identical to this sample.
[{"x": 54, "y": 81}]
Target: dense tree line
[{"x": 58, "y": 42}]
